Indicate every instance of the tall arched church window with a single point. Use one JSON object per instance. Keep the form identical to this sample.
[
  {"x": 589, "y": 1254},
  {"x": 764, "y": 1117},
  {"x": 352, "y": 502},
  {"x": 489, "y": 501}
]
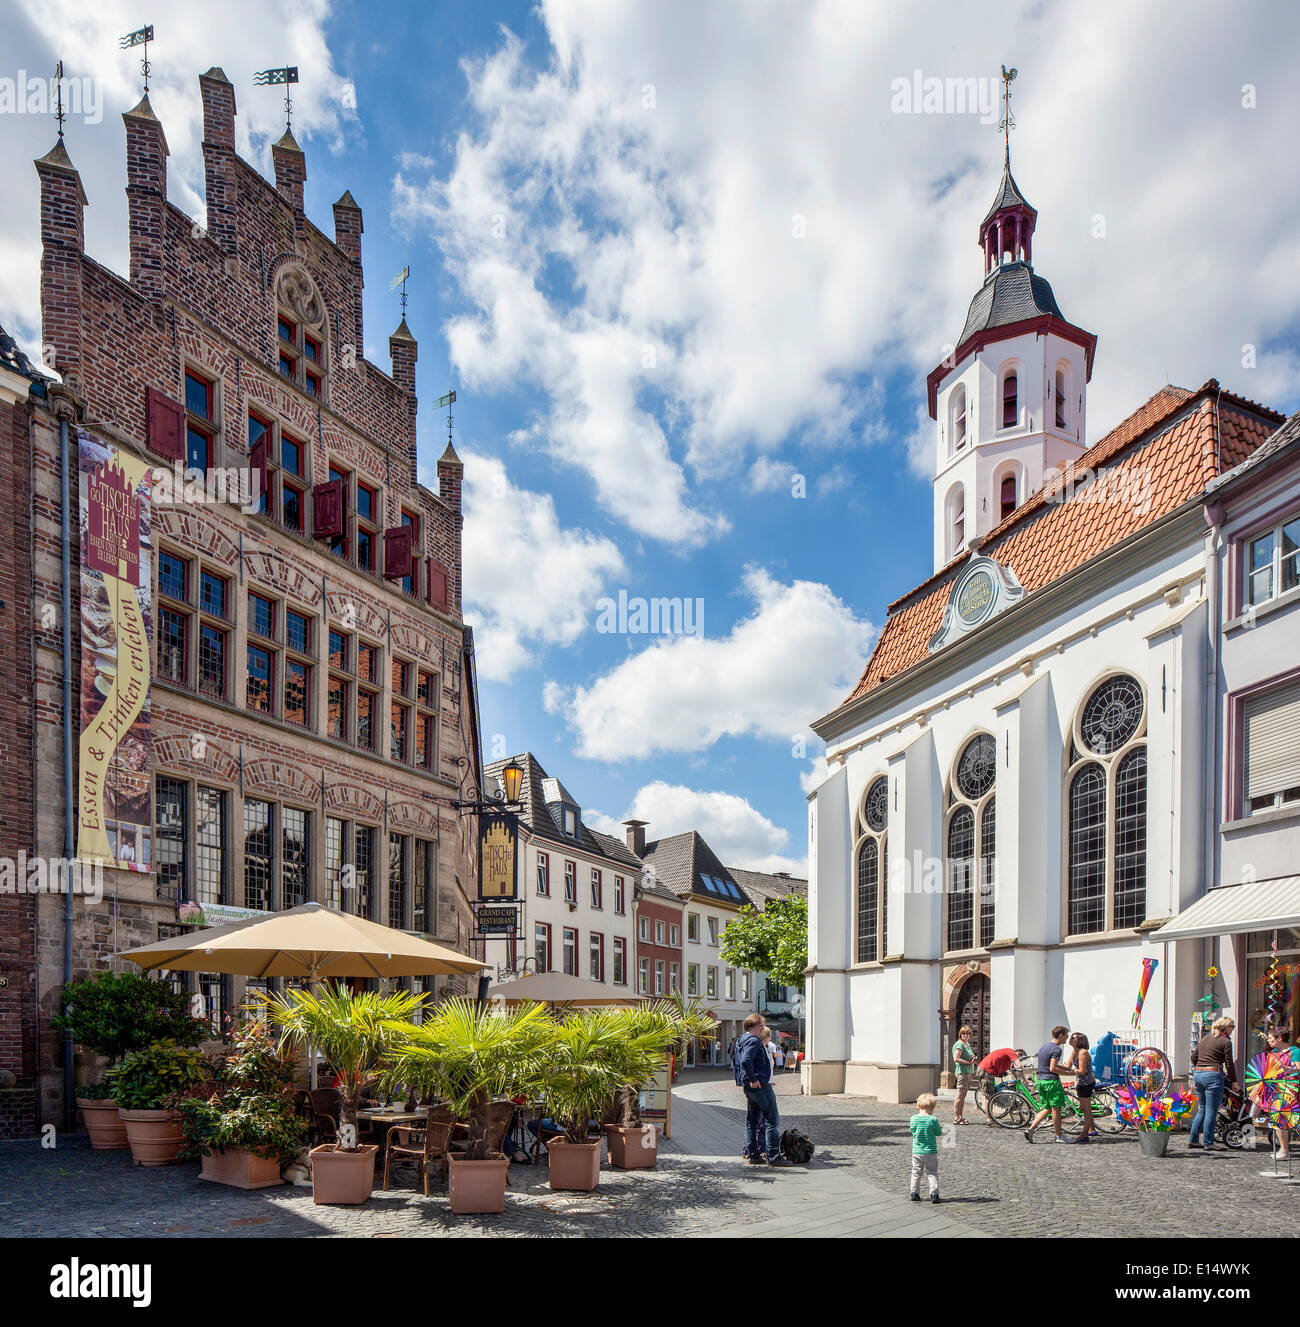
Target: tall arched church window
[
  {"x": 1062, "y": 392},
  {"x": 872, "y": 864},
  {"x": 1007, "y": 496},
  {"x": 958, "y": 418},
  {"x": 1010, "y": 399},
  {"x": 956, "y": 514},
  {"x": 970, "y": 875},
  {"x": 1106, "y": 814}
]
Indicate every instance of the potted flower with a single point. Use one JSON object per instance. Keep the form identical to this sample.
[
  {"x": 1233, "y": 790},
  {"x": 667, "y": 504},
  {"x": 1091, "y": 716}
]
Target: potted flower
[
  {"x": 246, "y": 1130},
  {"x": 476, "y": 1058},
  {"x": 353, "y": 1031},
  {"x": 657, "y": 1032},
  {"x": 1153, "y": 1116},
  {"x": 148, "y": 1084},
  {"x": 109, "y": 1015}
]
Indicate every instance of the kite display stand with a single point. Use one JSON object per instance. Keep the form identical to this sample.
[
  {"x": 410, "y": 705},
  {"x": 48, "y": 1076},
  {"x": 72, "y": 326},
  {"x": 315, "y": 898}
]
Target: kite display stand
[{"x": 1273, "y": 1084}]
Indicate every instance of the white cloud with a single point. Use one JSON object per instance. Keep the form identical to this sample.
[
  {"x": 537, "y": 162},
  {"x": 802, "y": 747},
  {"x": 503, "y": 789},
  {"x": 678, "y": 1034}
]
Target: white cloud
[
  {"x": 746, "y": 204},
  {"x": 85, "y": 37},
  {"x": 815, "y": 775},
  {"x": 739, "y": 834},
  {"x": 830, "y": 481},
  {"x": 793, "y": 659},
  {"x": 768, "y": 475},
  {"x": 529, "y": 581}
]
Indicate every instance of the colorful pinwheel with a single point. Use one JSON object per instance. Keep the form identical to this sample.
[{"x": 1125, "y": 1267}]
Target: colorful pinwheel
[{"x": 1273, "y": 1084}]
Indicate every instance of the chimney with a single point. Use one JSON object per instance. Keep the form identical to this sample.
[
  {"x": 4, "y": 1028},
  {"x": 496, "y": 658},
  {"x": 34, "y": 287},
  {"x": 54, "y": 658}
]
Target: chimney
[
  {"x": 403, "y": 351},
  {"x": 219, "y": 158},
  {"x": 290, "y": 170},
  {"x": 146, "y": 193},
  {"x": 63, "y": 245},
  {"x": 635, "y": 836},
  {"x": 347, "y": 235}
]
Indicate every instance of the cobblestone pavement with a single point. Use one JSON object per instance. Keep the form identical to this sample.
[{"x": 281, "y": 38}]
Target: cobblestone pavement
[{"x": 993, "y": 1182}]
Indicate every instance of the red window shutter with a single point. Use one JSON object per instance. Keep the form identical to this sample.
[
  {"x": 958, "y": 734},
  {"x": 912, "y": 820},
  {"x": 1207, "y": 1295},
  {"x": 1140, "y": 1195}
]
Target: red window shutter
[
  {"x": 164, "y": 424},
  {"x": 327, "y": 509},
  {"x": 397, "y": 552},
  {"x": 439, "y": 585}
]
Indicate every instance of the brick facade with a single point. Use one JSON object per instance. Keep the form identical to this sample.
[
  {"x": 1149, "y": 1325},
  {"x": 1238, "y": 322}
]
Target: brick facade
[
  {"x": 655, "y": 910},
  {"x": 214, "y": 304}
]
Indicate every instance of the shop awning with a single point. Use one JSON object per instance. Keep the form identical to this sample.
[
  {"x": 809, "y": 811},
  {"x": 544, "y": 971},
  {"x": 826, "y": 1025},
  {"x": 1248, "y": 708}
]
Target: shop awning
[{"x": 1262, "y": 905}]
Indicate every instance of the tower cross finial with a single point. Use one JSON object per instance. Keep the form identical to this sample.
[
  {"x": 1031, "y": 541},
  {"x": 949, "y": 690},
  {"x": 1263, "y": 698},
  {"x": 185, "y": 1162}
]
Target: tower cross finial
[{"x": 1008, "y": 121}]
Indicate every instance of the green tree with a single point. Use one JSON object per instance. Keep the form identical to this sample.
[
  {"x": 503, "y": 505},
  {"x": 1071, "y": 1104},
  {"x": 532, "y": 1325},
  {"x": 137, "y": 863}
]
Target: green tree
[
  {"x": 113, "y": 1013},
  {"x": 774, "y": 941}
]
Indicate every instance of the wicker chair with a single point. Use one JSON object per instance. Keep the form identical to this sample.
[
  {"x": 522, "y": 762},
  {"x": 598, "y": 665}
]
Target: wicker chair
[
  {"x": 423, "y": 1145},
  {"x": 325, "y": 1113}
]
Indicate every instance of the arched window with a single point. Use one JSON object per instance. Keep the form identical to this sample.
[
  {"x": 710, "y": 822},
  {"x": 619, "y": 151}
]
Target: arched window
[
  {"x": 956, "y": 519},
  {"x": 1106, "y": 789},
  {"x": 302, "y": 333},
  {"x": 1010, "y": 399},
  {"x": 1062, "y": 397},
  {"x": 1007, "y": 496},
  {"x": 870, "y": 928},
  {"x": 958, "y": 429},
  {"x": 970, "y": 876}
]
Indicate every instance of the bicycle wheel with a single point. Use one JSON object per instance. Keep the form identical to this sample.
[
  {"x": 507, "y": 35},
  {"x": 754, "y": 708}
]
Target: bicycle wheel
[
  {"x": 1105, "y": 1112},
  {"x": 1071, "y": 1116},
  {"x": 1008, "y": 1110}
]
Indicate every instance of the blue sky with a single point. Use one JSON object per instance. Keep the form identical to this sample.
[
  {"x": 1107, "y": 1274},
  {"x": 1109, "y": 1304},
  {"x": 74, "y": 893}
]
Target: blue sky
[{"x": 673, "y": 258}]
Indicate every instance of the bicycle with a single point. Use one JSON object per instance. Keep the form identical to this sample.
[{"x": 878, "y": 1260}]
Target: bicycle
[{"x": 1015, "y": 1103}]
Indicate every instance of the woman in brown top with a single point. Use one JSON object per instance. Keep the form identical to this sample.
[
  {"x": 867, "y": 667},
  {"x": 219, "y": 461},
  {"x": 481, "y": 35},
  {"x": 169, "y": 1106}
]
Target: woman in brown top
[{"x": 1212, "y": 1068}]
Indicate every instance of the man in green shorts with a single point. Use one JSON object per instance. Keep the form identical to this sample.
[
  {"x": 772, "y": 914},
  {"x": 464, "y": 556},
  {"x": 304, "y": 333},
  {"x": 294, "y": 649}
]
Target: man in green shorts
[{"x": 1049, "y": 1089}]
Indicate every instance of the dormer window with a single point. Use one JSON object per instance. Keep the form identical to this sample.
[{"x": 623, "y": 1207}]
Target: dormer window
[{"x": 570, "y": 822}]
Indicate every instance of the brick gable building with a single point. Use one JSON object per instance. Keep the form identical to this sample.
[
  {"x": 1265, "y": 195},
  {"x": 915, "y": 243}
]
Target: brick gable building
[{"x": 314, "y": 713}]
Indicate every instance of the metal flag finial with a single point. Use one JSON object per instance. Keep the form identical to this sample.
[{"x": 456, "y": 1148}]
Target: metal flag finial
[
  {"x": 140, "y": 37},
  {"x": 400, "y": 280},
  {"x": 60, "y": 114},
  {"x": 1008, "y": 121},
  {"x": 273, "y": 77},
  {"x": 447, "y": 401}
]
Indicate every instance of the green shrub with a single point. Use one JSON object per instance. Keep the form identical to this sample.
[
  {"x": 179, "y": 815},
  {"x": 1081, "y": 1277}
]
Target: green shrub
[
  {"x": 156, "y": 1076},
  {"x": 117, "y": 1012}
]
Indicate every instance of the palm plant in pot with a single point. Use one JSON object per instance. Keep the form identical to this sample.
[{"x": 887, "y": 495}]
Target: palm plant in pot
[
  {"x": 148, "y": 1086},
  {"x": 109, "y": 1015},
  {"x": 476, "y": 1058},
  {"x": 656, "y": 1030},
  {"x": 353, "y": 1031},
  {"x": 246, "y": 1130}
]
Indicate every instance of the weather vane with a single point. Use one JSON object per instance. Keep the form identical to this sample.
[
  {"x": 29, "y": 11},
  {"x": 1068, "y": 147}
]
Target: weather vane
[
  {"x": 286, "y": 75},
  {"x": 400, "y": 280},
  {"x": 1008, "y": 121},
  {"x": 446, "y": 401},
  {"x": 60, "y": 115},
  {"x": 140, "y": 37}
]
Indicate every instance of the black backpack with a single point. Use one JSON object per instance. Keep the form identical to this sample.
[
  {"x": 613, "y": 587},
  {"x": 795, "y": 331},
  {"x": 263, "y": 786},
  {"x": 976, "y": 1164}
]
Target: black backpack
[{"x": 796, "y": 1147}]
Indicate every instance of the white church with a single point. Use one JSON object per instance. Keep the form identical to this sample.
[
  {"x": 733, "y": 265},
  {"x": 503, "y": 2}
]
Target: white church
[{"x": 1017, "y": 792}]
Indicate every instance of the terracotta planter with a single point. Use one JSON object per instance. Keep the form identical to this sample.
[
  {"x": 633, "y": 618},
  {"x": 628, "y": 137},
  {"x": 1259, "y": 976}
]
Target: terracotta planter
[
  {"x": 633, "y": 1149},
  {"x": 154, "y": 1135},
  {"x": 241, "y": 1169},
  {"x": 103, "y": 1123},
  {"x": 574, "y": 1165},
  {"x": 478, "y": 1186},
  {"x": 342, "y": 1177}
]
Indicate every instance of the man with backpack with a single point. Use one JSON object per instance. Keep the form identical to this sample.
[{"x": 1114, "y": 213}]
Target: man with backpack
[{"x": 753, "y": 1069}]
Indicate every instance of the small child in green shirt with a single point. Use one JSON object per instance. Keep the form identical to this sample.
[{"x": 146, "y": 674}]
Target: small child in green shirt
[{"x": 926, "y": 1131}]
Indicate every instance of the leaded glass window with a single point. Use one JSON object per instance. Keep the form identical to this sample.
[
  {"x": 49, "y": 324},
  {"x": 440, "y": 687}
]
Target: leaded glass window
[
  {"x": 988, "y": 872},
  {"x": 1131, "y": 839},
  {"x": 295, "y": 876},
  {"x": 1087, "y": 895},
  {"x": 961, "y": 895},
  {"x": 878, "y": 805},
  {"x": 869, "y": 899},
  {"x": 868, "y": 894},
  {"x": 257, "y": 855},
  {"x": 209, "y": 845},
  {"x": 971, "y": 861},
  {"x": 977, "y": 767},
  {"x": 1112, "y": 715}
]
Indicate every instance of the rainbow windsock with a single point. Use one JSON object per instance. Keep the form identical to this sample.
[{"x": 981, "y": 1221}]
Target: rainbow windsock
[{"x": 1149, "y": 965}]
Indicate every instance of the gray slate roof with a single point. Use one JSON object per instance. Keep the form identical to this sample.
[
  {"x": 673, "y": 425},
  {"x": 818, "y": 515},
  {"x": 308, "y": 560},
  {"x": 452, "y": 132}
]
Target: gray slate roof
[
  {"x": 680, "y": 860},
  {"x": 763, "y": 886},
  {"x": 1009, "y": 195},
  {"x": 13, "y": 359},
  {"x": 1010, "y": 293}
]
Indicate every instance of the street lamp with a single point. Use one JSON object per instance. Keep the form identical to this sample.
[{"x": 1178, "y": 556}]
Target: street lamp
[
  {"x": 511, "y": 779},
  {"x": 508, "y": 796}
]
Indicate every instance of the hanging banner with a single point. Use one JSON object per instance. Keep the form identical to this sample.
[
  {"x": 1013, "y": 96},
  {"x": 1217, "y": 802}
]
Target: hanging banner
[
  {"x": 498, "y": 850},
  {"x": 115, "y": 786}
]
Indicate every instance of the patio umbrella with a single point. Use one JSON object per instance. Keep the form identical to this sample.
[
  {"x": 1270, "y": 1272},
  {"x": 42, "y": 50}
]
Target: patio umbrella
[
  {"x": 556, "y": 988},
  {"x": 311, "y": 942}
]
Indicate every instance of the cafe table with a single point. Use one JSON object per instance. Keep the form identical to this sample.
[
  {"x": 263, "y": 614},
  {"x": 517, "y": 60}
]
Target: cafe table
[{"x": 384, "y": 1117}]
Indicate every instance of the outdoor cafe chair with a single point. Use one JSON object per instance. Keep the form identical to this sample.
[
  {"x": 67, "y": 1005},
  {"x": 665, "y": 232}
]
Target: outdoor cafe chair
[
  {"x": 422, "y": 1144},
  {"x": 495, "y": 1117}
]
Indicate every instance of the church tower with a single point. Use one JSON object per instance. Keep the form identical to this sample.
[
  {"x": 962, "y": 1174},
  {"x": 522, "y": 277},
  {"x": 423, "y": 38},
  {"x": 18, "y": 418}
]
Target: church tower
[{"x": 1009, "y": 402}]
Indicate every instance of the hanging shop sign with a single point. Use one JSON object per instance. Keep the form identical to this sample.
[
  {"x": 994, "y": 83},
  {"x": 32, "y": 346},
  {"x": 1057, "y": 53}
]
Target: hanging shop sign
[
  {"x": 115, "y": 784},
  {"x": 498, "y": 920},
  {"x": 498, "y": 855}
]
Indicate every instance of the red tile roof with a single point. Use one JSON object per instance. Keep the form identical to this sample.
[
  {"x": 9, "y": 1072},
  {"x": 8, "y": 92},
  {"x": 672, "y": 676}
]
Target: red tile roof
[{"x": 1175, "y": 443}]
